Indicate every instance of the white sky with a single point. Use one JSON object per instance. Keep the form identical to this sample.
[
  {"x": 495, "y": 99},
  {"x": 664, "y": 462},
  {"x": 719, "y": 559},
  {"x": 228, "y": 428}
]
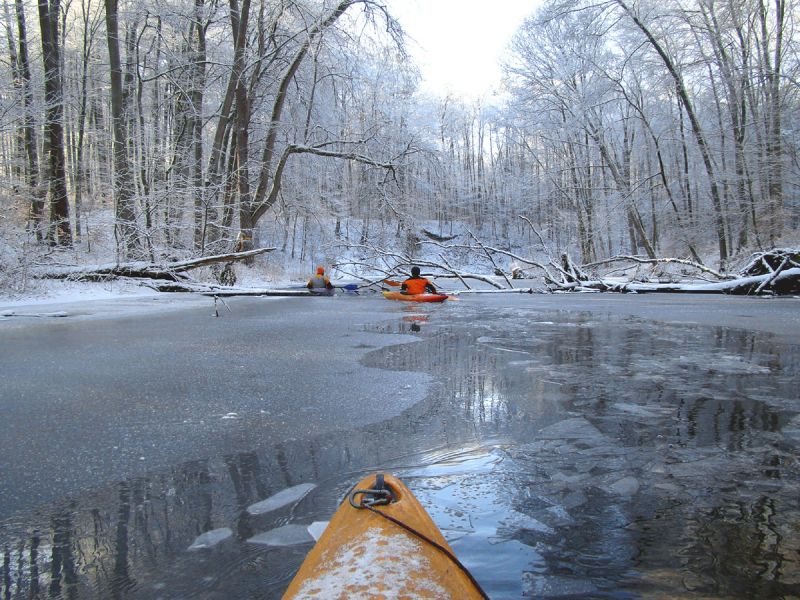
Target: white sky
[{"x": 458, "y": 43}]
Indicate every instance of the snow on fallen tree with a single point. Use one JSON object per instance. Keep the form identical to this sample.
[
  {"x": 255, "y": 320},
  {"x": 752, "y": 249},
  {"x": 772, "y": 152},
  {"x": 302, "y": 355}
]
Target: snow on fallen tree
[
  {"x": 220, "y": 291},
  {"x": 774, "y": 272},
  {"x": 394, "y": 264},
  {"x": 785, "y": 282},
  {"x": 174, "y": 271},
  {"x": 167, "y": 277}
]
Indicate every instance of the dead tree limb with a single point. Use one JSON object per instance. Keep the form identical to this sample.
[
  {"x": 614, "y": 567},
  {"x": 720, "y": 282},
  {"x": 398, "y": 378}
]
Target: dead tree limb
[
  {"x": 539, "y": 235},
  {"x": 659, "y": 261},
  {"x": 219, "y": 291},
  {"x": 204, "y": 261},
  {"x": 144, "y": 270},
  {"x": 497, "y": 269},
  {"x": 435, "y": 237},
  {"x": 785, "y": 282}
]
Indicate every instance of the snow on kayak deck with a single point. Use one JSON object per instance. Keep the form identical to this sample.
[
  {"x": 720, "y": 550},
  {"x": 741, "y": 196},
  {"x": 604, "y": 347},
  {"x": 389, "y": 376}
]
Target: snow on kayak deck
[{"x": 375, "y": 565}]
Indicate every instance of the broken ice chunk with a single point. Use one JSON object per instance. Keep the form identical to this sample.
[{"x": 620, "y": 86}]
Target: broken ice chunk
[
  {"x": 316, "y": 528},
  {"x": 288, "y": 535},
  {"x": 627, "y": 486},
  {"x": 209, "y": 539},
  {"x": 282, "y": 498}
]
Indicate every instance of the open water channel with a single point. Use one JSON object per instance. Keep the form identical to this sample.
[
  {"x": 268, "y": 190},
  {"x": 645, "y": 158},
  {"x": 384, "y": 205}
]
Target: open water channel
[{"x": 564, "y": 453}]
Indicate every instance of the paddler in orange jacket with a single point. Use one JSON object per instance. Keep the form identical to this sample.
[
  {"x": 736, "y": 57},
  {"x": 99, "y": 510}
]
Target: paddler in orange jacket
[
  {"x": 319, "y": 284},
  {"x": 417, "y": 285}
]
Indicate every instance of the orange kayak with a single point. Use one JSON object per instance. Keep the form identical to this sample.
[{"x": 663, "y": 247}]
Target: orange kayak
[
  {"x": 381, "y": 543},
  {"x": 415, "y": 297}
]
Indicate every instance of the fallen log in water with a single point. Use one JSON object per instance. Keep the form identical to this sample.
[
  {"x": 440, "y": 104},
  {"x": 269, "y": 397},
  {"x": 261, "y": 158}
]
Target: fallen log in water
[
  {"x": 144, "y": 270},
  {"x": 210, "y": 289},
  {"x": 527, "y": 290},
  {"x": 785, "y": 282},
  {"x": 776, "y": 272}
]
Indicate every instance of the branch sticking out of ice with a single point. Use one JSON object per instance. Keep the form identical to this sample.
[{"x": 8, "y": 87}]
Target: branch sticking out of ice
[
  {"x": 11, "y": 313},
  {"x": 290, "y": 495},
  {"x": 209, "y": 539}
]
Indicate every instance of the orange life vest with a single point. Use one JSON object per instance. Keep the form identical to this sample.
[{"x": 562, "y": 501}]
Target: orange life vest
[{"x": 416, "y": 285}]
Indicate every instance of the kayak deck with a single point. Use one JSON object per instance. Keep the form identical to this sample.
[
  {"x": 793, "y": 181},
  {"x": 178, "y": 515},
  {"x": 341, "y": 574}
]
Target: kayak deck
[
  {"x": 415, "y": 297},
  {"x": 365, "y": 554}
]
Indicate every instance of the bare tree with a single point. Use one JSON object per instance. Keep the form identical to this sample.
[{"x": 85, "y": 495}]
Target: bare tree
[
  {"x": 27, "y": 133},
  {"x": 127, "y": 233},
  {"x": 273, "y": 162},
  {"x": 697, "y": 129},
  {"x": 59, "y": 229}
]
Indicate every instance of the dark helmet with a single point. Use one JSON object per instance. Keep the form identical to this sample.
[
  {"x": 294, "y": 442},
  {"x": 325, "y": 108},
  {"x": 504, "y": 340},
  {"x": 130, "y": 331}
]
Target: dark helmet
[{"x": 415, "y": 271}]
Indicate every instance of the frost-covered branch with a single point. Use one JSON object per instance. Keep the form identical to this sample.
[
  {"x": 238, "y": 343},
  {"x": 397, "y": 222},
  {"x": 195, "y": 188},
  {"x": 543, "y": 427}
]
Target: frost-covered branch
[
  {"x": 659, "y": 261},
  {"x": 144, "y": 270},
  {"x": 489, "y": 256}
]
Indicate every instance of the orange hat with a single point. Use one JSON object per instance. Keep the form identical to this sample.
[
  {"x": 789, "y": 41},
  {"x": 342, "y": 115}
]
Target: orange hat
[{"x": 321, "y": 270}]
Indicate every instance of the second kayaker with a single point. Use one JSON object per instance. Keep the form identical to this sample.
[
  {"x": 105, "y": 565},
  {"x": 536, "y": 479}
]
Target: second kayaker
[{"x": 320, "y": 284}]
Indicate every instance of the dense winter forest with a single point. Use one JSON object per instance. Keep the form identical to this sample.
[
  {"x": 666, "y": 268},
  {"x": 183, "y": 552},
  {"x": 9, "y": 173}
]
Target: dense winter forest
[{"x": 161, "y": 130}]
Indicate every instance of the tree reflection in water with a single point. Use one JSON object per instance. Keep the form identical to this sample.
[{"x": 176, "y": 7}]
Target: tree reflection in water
[{"x": 562, "y": 454}]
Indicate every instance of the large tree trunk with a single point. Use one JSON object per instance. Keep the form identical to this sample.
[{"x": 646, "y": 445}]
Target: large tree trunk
[
  {"x": 89, "y": 28},
  {"x": 202, "y": 211},
  {"x": 772, "y": 69},
  {"x": 59, "y": 230},
  {"x": 28, "y": 132},
  {"x": 128, "y": 243},
  {"x": 224, "y": 136},
  {"x": 241, "y": 126}
]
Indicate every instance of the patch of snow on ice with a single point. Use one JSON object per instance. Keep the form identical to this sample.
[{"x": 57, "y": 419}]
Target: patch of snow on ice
[
  {"x": 282, "y": 498},
  {"x": 730, "y": 364},
  {"x": 380, "y": 562}
]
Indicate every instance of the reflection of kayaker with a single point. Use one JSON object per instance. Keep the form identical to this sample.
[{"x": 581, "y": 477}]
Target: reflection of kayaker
[
  {"x": 416, "y": 284},
  {"x": 415, "y": 320},
  {"x": 320, "y": 284},
  {"x": 381, "y": 543}
]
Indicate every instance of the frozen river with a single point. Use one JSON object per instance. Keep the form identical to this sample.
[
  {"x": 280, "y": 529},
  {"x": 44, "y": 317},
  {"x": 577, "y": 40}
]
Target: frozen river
[{"x": 568, "y": 446}]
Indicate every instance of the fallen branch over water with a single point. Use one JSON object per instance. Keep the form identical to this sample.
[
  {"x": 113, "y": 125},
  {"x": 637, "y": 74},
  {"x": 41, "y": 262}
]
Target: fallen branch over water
[
  {"x": 774, "y": 272},
  {"x": 219, "y": 290},
  {"x": 742, "y": 286},
  {"x": 144, "y": 270},
  {"x": 527, "y": 290}
]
